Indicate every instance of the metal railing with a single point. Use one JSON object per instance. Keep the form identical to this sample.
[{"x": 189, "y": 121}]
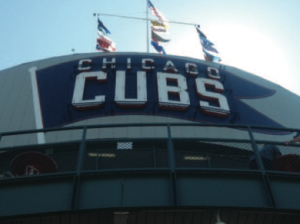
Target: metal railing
[{"x": 168, "y": 153}]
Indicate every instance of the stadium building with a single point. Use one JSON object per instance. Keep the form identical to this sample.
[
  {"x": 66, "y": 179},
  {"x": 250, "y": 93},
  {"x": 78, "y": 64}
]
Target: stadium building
[{"x": 132, "y": 138}]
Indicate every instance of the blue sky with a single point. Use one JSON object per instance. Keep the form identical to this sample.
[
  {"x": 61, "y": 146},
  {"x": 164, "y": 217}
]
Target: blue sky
[{"x": 259, "y": 36}]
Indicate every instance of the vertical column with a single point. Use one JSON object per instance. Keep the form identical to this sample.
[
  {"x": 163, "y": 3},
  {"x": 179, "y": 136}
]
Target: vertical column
[
  {"x": 262, "y": 169},
  {"x": 173, "y": 180},
  {"x": 171, "y": 150},
  {"x": 80, "y": 159},
  {"x": 147, "y": 24},
  {"x": 36, "y": 106},
  {"x": 256, "y": 151},
  {"x": 81, "y": 152}
]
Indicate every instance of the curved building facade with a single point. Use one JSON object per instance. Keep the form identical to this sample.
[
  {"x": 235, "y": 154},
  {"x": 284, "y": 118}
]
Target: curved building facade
[{"x": 145, "y": 138}]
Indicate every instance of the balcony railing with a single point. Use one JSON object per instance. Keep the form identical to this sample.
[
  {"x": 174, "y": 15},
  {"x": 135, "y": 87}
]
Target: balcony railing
[{"x": 166, "y": 153}]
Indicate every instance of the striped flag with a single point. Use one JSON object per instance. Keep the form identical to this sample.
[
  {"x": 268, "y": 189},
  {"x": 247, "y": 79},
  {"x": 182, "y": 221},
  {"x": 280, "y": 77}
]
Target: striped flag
[
  {"x": 103, "y": 42},
  {"x": 156, "y": 26},
  {"x": 156, "y": 23},
  {"x": 106, "y": 44},
  {"x": 157, "y": 38},
  {"x": 158, "y": 29},
  {"x": 156, "y": 13}
]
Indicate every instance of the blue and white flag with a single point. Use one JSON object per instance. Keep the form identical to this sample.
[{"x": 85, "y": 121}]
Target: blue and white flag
[
  {"x": 208, "y": 56},
  {"x": 208, "y": 47},
  {"x": 159, "y": 49},
  {"x": 203, "y": 37},
  {"x": 102, "y": 28},
  {"x": 210, "y": 52}
]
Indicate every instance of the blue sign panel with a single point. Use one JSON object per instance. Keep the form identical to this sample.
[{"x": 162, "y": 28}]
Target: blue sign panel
[{"x": 56, "y": 87}]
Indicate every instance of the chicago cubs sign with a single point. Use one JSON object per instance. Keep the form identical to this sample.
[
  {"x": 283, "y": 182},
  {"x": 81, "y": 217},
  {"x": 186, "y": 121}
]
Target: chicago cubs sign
[{"x": 106, "y": 86}]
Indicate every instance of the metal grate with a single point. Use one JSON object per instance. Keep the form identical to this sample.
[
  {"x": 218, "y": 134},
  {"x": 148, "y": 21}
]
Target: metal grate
[
  {"x": 118, "y": 155},
  {"x": 204, "y": 154},
  {"x": 288, "y": 161},
  {"x": 112, "y": 154}
]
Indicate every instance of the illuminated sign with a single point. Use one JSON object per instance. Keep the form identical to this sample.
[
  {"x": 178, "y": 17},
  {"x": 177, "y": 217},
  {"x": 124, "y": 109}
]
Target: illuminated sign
[{"x": 119, "y": 85}]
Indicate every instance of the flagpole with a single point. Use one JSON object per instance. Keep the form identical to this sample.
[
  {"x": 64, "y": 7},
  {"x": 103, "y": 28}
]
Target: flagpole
[
  {"x": 147, "y": 24},
  {"x": 138, "y": 18}
]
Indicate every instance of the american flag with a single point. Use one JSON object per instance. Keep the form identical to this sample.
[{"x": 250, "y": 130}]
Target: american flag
[{"x": 156, "y": 13}]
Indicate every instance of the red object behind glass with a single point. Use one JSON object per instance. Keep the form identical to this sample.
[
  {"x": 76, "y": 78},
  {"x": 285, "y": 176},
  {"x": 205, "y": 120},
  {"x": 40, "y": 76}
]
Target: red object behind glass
[
  {"x": 288, "y": 163},
  {"x": 32, "y": 163}
]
